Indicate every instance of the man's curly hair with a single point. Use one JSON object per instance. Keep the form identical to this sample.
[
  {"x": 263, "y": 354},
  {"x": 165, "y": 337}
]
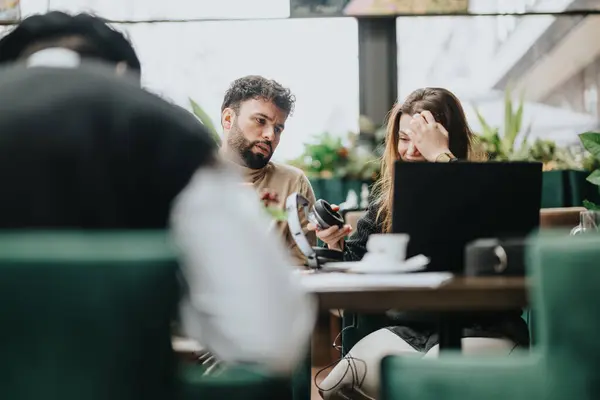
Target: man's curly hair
[
  {"x": 47, "y": 30},
  {"x": 258, "y": 87}
]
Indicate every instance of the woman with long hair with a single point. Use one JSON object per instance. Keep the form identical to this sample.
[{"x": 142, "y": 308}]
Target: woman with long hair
[{"x": 429, "y": 126}]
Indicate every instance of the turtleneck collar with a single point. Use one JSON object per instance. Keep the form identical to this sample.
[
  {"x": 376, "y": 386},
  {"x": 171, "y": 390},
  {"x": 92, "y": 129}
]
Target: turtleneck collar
[{"x": 250, "y": 175}]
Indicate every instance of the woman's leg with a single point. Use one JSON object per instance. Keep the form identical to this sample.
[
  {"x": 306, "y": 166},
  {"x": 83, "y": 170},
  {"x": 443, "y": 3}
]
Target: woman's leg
[
  {"x": 363, "y": 362},
  {"x": 480, "y": 346}
]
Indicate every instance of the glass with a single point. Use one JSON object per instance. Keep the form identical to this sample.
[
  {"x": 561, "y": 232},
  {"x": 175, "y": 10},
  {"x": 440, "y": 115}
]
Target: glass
[
  {"x": 317, "y": 59},
  {"x": 588, "y": 222},
  {"x": 481, "y": 58}
]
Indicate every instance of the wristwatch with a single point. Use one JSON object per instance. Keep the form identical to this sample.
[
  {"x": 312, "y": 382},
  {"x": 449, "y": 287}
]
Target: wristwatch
[{"x": 446, "y": 157}]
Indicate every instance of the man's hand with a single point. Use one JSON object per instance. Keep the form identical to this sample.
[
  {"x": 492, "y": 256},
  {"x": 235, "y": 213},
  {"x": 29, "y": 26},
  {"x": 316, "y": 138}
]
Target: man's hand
[{"x": 334, "y": 235}]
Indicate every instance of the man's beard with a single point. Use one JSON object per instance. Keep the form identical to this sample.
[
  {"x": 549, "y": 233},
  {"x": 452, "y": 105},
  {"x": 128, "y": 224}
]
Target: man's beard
[{"x": 238, "y": 142}]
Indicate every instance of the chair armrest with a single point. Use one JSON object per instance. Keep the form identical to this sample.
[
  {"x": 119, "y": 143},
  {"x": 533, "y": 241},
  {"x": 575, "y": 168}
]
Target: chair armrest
[
  {"x": 452, "y": 377},
  {"x": 232, "y": 384}
]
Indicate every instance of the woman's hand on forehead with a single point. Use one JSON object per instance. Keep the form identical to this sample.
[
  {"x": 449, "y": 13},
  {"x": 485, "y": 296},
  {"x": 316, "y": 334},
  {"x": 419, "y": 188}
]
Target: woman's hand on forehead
[{"x": 429, "y": 136}]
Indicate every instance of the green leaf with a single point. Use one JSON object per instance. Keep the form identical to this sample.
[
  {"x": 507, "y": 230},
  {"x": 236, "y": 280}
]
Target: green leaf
[
  {"x": 591, "y": 206},
  {"x": 206, "y": 121},
  {"x": 594, "y": 177},
  {"x": 487, "y": 129},
  {"x": 518, "y": 119},
  {"x": 277, "y": 214},
  {"x": 591, "y": 142},
  {"x": 526, "y": 134},
  {"x": 509, "y": 135}
]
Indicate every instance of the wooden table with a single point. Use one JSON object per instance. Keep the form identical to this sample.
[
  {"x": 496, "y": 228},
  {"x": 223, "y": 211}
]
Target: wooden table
[{"x": 458, "y": 294}]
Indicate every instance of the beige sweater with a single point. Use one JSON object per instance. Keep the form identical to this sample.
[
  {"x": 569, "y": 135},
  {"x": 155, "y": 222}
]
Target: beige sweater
[{"x": 283, "y": 180}]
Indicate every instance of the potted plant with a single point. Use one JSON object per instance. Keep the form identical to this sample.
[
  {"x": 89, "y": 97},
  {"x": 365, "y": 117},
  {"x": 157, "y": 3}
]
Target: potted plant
[
  {"x": 205, "y": 120},
  {"x": 591, "y": 142},
  {"x": 336, "y": 165},
  {"x": 564, "y": 178},
  {"x": 502, "y": 147}
]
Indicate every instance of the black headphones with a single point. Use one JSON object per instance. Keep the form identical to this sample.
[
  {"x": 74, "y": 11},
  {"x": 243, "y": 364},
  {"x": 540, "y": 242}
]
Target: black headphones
[
  {"x": 324, "y": 215},
  {"x": 319, "y": 214}
]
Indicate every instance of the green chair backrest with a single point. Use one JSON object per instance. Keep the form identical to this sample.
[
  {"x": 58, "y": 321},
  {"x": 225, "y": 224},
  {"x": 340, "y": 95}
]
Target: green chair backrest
[
  {"x": 566, "y": 272},
  {"x": 86, "y": 315}
]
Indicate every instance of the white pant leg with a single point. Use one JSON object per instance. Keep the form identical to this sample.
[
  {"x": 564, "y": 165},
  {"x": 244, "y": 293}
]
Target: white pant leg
[
  {"x": 372, "y": 348},
  {"x": 478, "y": 346},
  {"x": 367, "y": 353}
]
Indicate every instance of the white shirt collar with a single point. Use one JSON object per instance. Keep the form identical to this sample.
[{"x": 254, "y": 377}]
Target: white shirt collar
[{"x": 56, "y": 57}]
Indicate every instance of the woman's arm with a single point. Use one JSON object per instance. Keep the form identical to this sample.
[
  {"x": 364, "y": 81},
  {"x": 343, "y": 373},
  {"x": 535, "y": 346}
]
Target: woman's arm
[{"x": 356, "y": 246}]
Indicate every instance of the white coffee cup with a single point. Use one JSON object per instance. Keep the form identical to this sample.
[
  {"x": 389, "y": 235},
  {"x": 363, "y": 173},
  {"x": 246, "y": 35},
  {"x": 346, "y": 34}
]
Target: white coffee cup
[{"x": 390, "y": 245}]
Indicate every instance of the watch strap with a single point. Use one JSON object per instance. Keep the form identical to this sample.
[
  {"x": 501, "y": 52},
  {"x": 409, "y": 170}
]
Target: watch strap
[{"x": 445, "y": 157}]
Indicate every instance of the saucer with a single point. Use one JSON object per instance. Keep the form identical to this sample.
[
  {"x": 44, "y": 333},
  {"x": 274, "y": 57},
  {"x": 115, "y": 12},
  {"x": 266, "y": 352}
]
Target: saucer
[{"x": 378, "y": 266}]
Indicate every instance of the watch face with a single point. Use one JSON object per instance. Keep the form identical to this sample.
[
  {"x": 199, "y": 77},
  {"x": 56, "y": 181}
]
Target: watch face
[{"x": 444, "y": 157}]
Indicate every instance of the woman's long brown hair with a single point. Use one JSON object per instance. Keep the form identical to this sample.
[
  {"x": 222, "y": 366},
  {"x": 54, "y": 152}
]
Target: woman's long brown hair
[{"x": 448, "y": 111}]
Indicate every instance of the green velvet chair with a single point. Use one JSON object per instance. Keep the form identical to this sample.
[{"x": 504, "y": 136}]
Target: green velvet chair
[
  {"x": 236, "y": 383},
  {"x": 565, "y": 276},
  {"x": 87, "y": 315}
]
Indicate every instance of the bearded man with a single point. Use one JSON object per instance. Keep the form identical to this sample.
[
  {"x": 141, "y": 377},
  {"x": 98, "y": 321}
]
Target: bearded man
[{"x": 253, "y": 117}]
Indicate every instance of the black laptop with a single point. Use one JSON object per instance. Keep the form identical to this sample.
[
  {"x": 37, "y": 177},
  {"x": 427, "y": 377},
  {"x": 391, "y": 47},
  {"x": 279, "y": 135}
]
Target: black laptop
[{"x": 444, "y": 206}]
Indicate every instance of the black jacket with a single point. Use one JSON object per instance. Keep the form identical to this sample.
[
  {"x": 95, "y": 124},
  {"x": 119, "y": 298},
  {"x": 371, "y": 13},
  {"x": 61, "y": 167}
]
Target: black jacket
[{"x": 83, "y": 148}]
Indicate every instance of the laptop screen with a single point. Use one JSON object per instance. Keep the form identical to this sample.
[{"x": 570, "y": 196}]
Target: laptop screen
[{"x": 444, "y": 206}]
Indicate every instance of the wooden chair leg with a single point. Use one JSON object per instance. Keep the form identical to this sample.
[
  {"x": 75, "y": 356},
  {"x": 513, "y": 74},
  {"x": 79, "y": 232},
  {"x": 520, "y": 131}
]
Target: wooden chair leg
[{"x": 335, "y": 325}]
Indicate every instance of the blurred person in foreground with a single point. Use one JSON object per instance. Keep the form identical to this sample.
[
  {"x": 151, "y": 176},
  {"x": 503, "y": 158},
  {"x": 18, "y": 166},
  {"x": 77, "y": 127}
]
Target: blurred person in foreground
[
  {"x": 82, "y": 147},
  {"x": 253, "y": 117}
]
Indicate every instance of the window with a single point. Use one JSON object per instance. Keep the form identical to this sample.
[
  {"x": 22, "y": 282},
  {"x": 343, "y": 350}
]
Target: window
[
  {"x": 506, "y": 24},
  {"x": 590, "y": 99},
  {"x": 316, "y": 58},
  {"x": 460, "y": 53}
]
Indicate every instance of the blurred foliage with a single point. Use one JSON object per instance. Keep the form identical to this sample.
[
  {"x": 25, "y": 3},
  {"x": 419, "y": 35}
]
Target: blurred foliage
[
  {"x": 276, "y": 213},
  {"x": 327, "y": 156},
  {"x": 513, "y": 143},
  {"x": 502, "y": 146},
  {"x": 591, "y": 142},
  {"x": 206, "y": 121}
]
